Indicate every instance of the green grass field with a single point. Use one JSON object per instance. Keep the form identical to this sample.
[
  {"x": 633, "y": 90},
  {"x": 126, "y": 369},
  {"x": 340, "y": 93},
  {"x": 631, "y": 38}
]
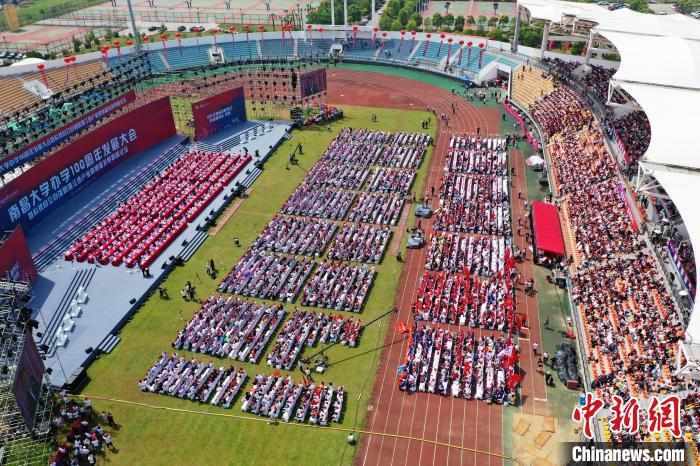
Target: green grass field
[{"x": 183, "y": 432}]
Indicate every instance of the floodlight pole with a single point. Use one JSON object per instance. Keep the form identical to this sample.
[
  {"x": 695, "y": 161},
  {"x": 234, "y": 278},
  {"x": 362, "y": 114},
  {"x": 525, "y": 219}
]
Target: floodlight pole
[
  {"x": 516, "y": 33},
  {"x": 134, "y": 31}
]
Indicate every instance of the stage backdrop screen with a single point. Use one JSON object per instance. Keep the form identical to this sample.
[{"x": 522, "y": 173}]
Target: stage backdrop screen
[
  {"x": 28, "y": 381},
  {"x": 48, "y": 142},
  {"x": 218, "y": 112},
  {"x": 30, "y": 197},
  {"x": 313, "y": 82},
  {"x": 16, "y": 262}
]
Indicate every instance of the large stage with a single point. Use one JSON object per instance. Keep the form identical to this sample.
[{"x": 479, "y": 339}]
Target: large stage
[{"x": 114, "y": 293}]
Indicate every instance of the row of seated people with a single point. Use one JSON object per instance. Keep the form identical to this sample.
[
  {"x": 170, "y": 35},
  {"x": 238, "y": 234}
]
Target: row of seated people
[
  {"x": 404, "y": 150},
  {"x": 596, "y": 79},
  {"x": 464, "y": 300},
  {"x": 319, "y": 202},
  {"x": 382, "y": 209},
  {"x": 580, "y": 160},
  {"x": 473, "y": 204},
  {"x": 336, "y": 175},
  {"x": 360, "y": 243},
  {"x": 356, "y": 147},
  {"x": 296, "y": 235},
  {"x": 632, "y": 326},
  {"x": 460, "y": 365},
  {"x": 634, "y": 131},
  {"x": 560, "y": 110},
  {"x": 687, "y": 257},
  {"x": 305, "y": 329},
  {"x": 365, "y": 147},
  {"x": 601, "y": 222},
  {"x": 265, "y": 275},
  {"x": 146, "y": 223},
  {"x": 230, "y": 327},
  {"x": 180, "y": 377},
  {"x": 470, "y": 255},
  {"x": 279, "y": 397},
  {"x": 482, "y": 156},
  {"x": 338, "y": 286},
  {"x": 391, "y": 180}
]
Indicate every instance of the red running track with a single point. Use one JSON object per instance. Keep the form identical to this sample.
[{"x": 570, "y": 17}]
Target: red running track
[{"x": 473, "y": 428}]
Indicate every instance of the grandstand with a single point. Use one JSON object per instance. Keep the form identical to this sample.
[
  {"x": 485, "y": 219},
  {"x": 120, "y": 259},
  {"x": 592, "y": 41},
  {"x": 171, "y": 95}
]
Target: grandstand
[{"x": 283, "y": 244}]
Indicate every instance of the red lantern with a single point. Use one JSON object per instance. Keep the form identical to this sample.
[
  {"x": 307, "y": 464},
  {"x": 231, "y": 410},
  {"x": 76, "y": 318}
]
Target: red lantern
[
  {"x": 233, "y": 34},
  {"x": 374, "y": 36},
  {"x": 43, "y": 74},
  {"x": 384, "y": 34},
  {"x": 354, "y": 34},
  {"x": 214, "y": 32},
  {"x": 461, "y": 48},
  {"x": 74, "y": 60},
  {"x": 321, "y": 31},
  {"x": 117, "y": 44},
  {"x": 481, "y": 53},
  {"x": 163, "y": 38},
  {"x": 469, "y": 57},
  {"x": 129, "y": 43},
  {"x": 247, "y": 32},
  {"x": 403, "y": 33},
  {"x": 413, "y": 39},
  {"x": 442, "y": 37},
  {"x": 427, "y": 41},
  {"x": 146, "y": 40},
  {"x": 449, "y": 48}
]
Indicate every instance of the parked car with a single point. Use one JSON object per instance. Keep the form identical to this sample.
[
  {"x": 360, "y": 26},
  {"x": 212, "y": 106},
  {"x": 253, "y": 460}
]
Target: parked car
[
  {"x": 603, "y": 3},
  {"x": 662, "y": 13},
  {"x": 181, "y": 28},
  {"x": 152, "y": 28}
]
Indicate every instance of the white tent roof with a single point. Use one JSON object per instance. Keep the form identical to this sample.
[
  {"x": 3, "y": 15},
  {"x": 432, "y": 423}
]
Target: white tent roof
[{"x": 660, "y": 68}]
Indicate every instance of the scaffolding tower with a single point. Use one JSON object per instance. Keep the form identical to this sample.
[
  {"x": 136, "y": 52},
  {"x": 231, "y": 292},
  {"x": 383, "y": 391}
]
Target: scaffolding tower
[{"x": 19, "y": 443}]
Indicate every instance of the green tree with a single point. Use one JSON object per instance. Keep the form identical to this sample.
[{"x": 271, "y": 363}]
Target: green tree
[
  {"x": 417, "y": 18},
  {"x": 531, "y": 36},
  {"x": 498, "y": 34},
  {"x": 404, "y": 15},
  {"x": 492, "y": 22},
  {"x": 396, "y": 25},
  {"x": 411, "y": 25},
  {"x": 437, "y": 20},
  {"x": 503, "y": 21},
  {"x": 577, "y": 48},
  {"x": 354, "y": 13},
  {"x": 482, "y": 21},
  {"x": 428, "y": 24},
  {"x": 449, "y": 20},
  {"x": 385, "y": 22},
  {"x": 470, "y": 21},
  {"x": 459, "y": 23},
  {"x": 76, "y": 45},
  {"x": 163, "y": 28}
]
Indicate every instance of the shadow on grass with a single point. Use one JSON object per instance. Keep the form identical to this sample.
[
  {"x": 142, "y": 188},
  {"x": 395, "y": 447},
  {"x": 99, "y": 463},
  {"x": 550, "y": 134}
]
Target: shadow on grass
[{"x": 368, "y": 351}]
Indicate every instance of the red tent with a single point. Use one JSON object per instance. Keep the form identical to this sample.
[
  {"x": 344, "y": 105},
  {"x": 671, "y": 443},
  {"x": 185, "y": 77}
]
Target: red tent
[{"x": 548, "y": 236}]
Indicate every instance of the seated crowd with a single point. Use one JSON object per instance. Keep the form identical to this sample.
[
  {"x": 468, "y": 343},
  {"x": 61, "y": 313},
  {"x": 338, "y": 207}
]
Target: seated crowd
[
  {"x": 335, "y": 175},
  {"x": 474, "y": 204},
  {"x": 178, "y": 376},
  {"x": 460, "y": 365},
  {"x": 277, "y": 397},
  {"x": 632, "y": 327},
  {"x": 265, "y": 275},
  {"x": 338, "y": 286},
  {"x": 383, "y": 209},
  {"x": 391, "y": 180},
  {"x": 596, "y": 79},
  {"x": 360, "y": 243},
  {"x": 481, "y": 156},
  {"x": 404, "y": 150},
  {"x": 560, "y": 110},
  {"x": 634, "y": 132},
  {"x": 146, "y": 223},
  {"x": 469, "y": 255},
  {"x": 460, "y": 299},
  {"x": 305, "y": 329},
  {"x": 356, "y": 147},
  {"x": 230, "y": 327},
  {"x": 326, "y": 203},
  {"x": 296, "y": 235}
]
